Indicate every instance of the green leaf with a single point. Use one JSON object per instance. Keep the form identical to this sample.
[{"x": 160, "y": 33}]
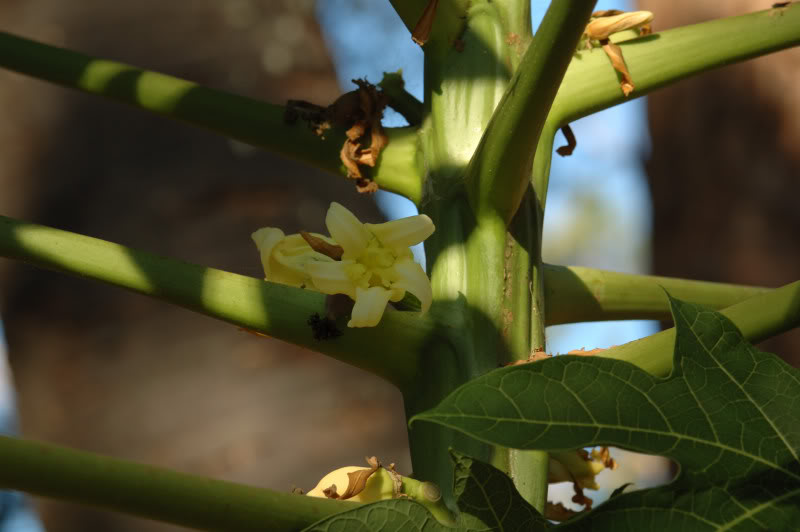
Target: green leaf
[
  {"x": 486, "y": 497},
  {"x": 728, "y": 413},
  {"x": 393, "y": 515}
]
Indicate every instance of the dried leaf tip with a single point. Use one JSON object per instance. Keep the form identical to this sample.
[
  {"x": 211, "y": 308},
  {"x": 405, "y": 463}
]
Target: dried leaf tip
[{"x": 422, "y": 31}]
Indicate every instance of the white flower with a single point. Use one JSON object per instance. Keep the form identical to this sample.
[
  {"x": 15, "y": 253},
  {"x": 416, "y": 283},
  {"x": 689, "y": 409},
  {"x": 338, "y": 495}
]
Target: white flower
[{"x": 376, "y": 264}]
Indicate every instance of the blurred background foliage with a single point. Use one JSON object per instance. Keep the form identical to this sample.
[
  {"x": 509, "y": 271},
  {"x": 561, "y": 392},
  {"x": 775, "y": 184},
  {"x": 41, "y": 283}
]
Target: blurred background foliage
[{"x": 99, "y": 369}]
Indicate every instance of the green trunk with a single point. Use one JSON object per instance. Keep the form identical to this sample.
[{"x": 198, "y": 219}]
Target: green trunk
[{"x": 480, "y": 272}]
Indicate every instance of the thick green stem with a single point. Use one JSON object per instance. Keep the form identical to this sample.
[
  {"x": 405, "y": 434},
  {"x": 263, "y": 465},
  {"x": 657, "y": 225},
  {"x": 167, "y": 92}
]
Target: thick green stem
[
  {"x": 523, "y": 330},
  {"x": 516, "y": 19},
  {"x": 257, "y": 123},
  {"x": 429, "y": 495},
  {"x": 591, "y": 84},
  {"x": 276, "y": 310},
  {"x": 758, "y": 318},
  {"x": 155, "y": 493},
  {"x": 500, "y": 168},
  {"x": 576, "y": 294},
  {"x": 464, "y": 86},
  {"x": 500, "y": 171}
]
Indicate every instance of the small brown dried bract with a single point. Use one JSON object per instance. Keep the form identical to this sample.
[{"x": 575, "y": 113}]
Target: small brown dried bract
[
  {"x": 558, "y": 512},
  {"x": 567, "y": 150},
  {"x": 360, "y": 112},
  {"x": 614, "y": 53},
  {"x": 366, "y": 186},
  {"x": 367, "y": 125},
  {"x": 346, "y": 109},
  {"x": 321, "y": 246},
  {"x": 349, "y": 159},
  {"x": 422, "y": 30},
  {"x": 356, "y": 132},
  {"x": 358, "y": 479},
  {"x": 330, "y": 492},
  {"x": 613, "y": 21}
]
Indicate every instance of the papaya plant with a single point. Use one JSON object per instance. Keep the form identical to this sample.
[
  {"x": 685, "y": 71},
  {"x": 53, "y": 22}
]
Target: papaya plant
[{"x": 491, "y": 416}]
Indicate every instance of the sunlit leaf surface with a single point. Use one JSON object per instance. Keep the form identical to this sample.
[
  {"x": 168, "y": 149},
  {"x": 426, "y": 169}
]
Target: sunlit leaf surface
[{"x": 728, "y": 413}]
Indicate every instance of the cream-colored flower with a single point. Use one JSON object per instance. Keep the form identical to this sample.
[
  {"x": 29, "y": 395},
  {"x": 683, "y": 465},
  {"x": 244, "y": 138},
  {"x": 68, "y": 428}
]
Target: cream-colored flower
[
  {"x": 579, "y": 466},
  {"x": 376, "y": 264}
]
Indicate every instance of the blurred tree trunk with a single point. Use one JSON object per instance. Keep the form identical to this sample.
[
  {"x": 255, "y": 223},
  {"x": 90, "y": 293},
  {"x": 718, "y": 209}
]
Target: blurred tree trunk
[
  {"x": 105, "y": 370},
  {"x": 725, "y": 166}
]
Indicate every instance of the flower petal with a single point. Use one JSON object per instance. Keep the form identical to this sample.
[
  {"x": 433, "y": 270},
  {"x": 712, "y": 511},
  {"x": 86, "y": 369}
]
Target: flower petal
[
  {"x": 346, "y": 230},
  {"x": 369, "y": 307},
  {"x": 295, "y": 244},
  {"x": 266, "y": 239},
  {"x": 414, "y": 279},
  {"x": 403, "y": 232},
  {"x": 331, "y": 277},
  {"x": 288, "y": 275}
]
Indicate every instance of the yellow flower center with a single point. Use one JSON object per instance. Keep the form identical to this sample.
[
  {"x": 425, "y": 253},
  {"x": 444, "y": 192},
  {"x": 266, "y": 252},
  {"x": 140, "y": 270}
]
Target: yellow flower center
[{"x": 373, "y": 267}]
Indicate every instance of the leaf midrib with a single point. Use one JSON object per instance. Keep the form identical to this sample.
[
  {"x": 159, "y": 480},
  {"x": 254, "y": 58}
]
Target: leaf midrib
[{"x": 676, "y": 435}]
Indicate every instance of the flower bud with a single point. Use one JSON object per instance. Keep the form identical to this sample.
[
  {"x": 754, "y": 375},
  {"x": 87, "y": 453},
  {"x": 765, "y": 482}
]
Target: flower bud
[{"x": 379, "y": 485}]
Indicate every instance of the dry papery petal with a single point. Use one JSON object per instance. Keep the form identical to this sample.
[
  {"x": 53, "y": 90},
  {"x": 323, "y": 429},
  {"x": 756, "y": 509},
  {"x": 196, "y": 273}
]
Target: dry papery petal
[
  {"x": 600, "y": 28},
  {"x": 358, "y": 479},
  {"x": 614, "y": 53}
]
